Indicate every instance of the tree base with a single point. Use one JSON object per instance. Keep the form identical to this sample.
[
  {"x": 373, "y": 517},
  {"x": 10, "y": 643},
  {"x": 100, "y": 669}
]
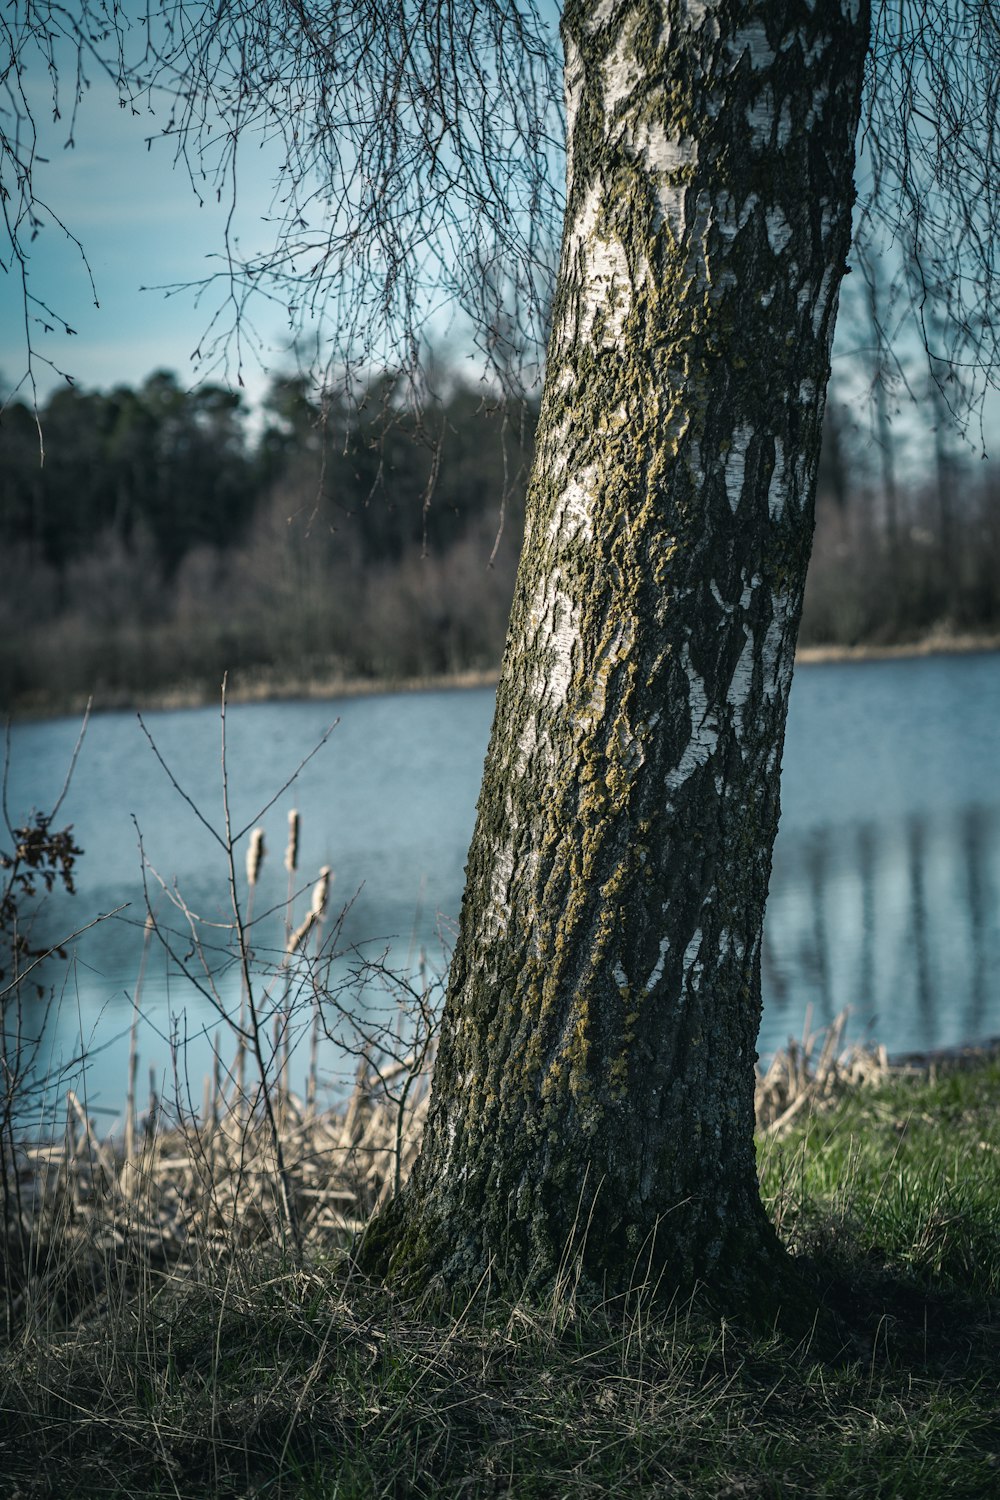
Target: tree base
[{"x": 749, "y": 1275}]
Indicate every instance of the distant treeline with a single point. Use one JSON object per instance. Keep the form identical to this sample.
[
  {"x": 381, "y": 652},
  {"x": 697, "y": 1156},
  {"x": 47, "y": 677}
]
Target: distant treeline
[
  {"x": 907, "y": 529},
  {"x": 167, "y": 538}
]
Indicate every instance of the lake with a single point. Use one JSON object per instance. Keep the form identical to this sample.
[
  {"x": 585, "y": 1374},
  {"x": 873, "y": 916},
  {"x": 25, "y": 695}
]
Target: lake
[{"x": 885, "y": 892}]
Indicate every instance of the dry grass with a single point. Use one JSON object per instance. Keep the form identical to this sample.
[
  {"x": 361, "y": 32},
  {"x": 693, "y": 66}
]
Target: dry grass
[
  {"x": 813, "y": 1073},
  {"x": 234, "y": 1372},
  {"x": 81, "y": 1213},
  {"x": 819, "y": 1071}
]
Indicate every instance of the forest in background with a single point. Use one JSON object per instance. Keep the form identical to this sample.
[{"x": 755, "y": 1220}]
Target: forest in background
[{"x": 169, "y": 537}]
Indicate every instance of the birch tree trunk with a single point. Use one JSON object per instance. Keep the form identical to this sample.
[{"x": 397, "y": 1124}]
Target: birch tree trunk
[{"x": 593, "y": 1093}]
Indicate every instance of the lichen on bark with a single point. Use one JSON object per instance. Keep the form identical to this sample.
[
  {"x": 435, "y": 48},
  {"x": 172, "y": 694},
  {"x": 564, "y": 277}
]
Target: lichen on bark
[{"x": 594, "y": 1084}]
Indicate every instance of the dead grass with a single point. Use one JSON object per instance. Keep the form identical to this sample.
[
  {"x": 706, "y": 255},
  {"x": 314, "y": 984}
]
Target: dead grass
[
  {"x": 82, "y": 1213},
  {"x": 167, "y": 1343}
]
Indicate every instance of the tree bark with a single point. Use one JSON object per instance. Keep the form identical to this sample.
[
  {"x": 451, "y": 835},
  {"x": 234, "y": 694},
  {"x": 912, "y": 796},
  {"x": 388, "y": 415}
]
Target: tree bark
[{"x": 593, "y": 1092}]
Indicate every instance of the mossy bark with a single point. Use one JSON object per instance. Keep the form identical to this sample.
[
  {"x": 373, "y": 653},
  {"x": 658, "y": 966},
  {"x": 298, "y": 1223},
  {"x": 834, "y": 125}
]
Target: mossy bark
[{"x": 593, "y": 1093}]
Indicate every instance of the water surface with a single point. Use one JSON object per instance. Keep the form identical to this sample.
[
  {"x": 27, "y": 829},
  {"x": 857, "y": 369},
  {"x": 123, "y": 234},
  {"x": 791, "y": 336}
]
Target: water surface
[{"x": 885, "y": 892}]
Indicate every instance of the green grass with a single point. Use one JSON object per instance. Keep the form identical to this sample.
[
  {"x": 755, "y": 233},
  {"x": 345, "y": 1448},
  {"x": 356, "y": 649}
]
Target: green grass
[
  {"x": 257, "y": 1380},
  {"x": 905, "y": 1177}
]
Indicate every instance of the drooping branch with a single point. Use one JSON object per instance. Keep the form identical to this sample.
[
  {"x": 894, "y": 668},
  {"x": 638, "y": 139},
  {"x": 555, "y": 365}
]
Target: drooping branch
[
  {"x": 930, "y": 188},
  {"x": 65, "y": 43},
  {"x": 419, "y": 165}
]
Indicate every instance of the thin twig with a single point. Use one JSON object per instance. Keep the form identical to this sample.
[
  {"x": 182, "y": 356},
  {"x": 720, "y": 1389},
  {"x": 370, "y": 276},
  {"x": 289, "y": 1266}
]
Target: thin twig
[{"x": 103, "y": 917}]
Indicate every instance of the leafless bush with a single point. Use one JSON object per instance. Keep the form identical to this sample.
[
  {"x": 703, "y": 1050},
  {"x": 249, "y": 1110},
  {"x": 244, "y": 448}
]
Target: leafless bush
[{"x": 242, "y": 1159}]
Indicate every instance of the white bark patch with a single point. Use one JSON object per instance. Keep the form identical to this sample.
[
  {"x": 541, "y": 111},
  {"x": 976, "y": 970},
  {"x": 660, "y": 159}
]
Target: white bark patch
[
  {"x": 723, "y": 604},
  {"x": 777, "y": 490},
  {"x": 656, "y": 972},
  {"x": 696, "y": 11},
  {"x": 526, "y": 744},
  {"x": 669, "y": 160},
  {"x": 691, "y": 966},
  {"x": 605, "y": 282},
  {"x": 779, "y": 231},
  {"x": 556, "y": 618},
  {"x": 599, "y": 13},
  {"x": 742, "y": 682},
  {"x": 572, "y": 517},
  {"x": 752, "y": 41},
  {"x": 620, "y": 73},
  {"x": 494, "y": 917},
  {"x": 572, "y": 89},
  {"x": 562, "y": 642},
  {"x": 729, "y": 220},
  {"x": 776, "y": 660},
  {"x": 619, "y": 976},
  {"x": 736, "y": 463},
  {"x": 704, "y": 732},
  {"x": 619, "y": 648},
  {"x": 697, "y": 264}
]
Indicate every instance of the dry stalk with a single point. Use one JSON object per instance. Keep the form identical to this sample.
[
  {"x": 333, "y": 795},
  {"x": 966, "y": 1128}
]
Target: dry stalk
[
  {"x": 816, "y": 1071},
  {"x": 196, "y": 1190}
]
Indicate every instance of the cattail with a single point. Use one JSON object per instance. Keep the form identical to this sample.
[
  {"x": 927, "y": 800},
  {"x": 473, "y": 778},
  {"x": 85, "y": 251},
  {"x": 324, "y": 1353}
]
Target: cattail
[
  {"x": 321, "y": 892},
  {"x": 300, "y": 934},
  {"x": 317, "y": 906},
  {"x": 255, "y": 855},
  {"x": 292, "y": 852}
]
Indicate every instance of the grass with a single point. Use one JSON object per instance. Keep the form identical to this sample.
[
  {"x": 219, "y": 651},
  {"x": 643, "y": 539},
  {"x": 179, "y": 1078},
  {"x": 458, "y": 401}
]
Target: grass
[
  {"x": 243, "y": 1375},
  {"x": 905, "y": 1175}
]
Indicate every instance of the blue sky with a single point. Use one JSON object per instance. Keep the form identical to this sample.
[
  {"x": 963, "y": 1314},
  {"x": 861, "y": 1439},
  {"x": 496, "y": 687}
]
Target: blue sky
[
  {"x": 141, "y": 225},
  {"x": 143, "y": 229}
]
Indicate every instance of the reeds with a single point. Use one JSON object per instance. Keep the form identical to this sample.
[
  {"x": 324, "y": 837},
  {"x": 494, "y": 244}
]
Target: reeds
[
  {"x": 190, "y": 1190},
  {"x": 193, "y": 1190},
  {"x": 317, "y": 910},
  {"x": 257, "y": 1164},
  {"x": 812, "y": 1073},
  {"x": 818, "y": 1070}
]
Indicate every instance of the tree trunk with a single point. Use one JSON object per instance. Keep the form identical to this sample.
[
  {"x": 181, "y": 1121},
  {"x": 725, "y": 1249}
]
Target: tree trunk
[{"x": 593, "y": 1093}]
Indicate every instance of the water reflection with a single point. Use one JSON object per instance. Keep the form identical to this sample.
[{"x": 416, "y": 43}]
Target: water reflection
[
  {"x": 866, "y": 891},
  {"x": 916, "y": 857},
  {"x": 979, "y": 894},
  {"x": 898, "y": 919}
]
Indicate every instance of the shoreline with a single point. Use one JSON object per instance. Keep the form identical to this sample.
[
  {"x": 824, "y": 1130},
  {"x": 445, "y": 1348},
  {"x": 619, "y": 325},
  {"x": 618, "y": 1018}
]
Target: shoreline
[
  {"x": 929, "y": 645},
  {"x": 260, "y": 686}
]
